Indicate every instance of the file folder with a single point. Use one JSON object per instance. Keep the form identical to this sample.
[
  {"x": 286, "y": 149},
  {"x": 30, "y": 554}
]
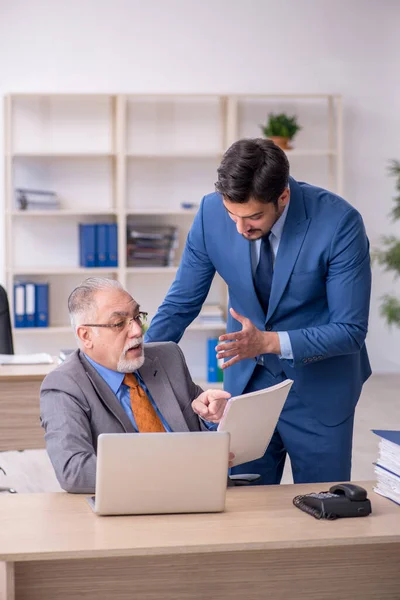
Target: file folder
[
  {"x": 19, "y": 305},
  {"x": 87, "y": 245},
  {"x": 30, "y": 305},
  {"x": 101, "y": 245},
  {"x": 112, "y": 245},
  {"x": 42, "y": 304}
]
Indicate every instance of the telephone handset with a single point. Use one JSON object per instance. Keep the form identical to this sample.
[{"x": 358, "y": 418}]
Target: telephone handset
[
  {"x": 342, "y": 500},
  {"x": 349, "y": 490}
]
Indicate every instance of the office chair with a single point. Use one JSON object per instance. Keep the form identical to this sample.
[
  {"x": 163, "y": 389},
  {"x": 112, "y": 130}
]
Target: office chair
[
  {"x": 5, "y": 489},
  {"x": 6, "y": 341},
  {"x": 6, "y": 344}
]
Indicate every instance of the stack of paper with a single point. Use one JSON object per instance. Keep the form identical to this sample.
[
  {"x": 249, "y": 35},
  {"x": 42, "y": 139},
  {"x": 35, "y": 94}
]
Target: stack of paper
[
  {"x": 26, "y": 359},
  {"x": 211, "y": 314},
  {"x": 387, "y": 467}
]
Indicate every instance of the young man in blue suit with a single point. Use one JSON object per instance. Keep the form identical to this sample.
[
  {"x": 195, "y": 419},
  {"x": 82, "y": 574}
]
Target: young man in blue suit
[{"x": 296, "y": 261}]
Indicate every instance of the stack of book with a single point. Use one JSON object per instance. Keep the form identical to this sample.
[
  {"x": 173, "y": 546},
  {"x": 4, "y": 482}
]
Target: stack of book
[
  {"x": 151, "y": 246},
  {"x": 211, "y": 315},
  {"x": 387, "y": 467},
  {"x": 28, "y": 199}
]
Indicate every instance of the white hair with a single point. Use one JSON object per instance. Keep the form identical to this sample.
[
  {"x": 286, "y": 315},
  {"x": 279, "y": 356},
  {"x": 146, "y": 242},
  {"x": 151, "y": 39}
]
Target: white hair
[{"x": 81, "y": 302}]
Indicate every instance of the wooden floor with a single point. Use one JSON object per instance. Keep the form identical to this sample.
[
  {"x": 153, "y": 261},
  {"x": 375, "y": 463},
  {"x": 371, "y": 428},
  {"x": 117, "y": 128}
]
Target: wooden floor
[{"x": 379, "y": 408}]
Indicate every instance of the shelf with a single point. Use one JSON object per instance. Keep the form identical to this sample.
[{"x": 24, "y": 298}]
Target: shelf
[
  {"x": 47, "y": 330},
  {"x": 163, "y": 211},
  {"x": 63, "y": 155},
  {"x": 309, "y": 96},
  {"x": 151, "y": 270},
  {"x": 63, "y": 212},
  {"x": 305, "y": 152},
  {"x": 60, "y": 270},
  {"x": 177, "y": 156}
]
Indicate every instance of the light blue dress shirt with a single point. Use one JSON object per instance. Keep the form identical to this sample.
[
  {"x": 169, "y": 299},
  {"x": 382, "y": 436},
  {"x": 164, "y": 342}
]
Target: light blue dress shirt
[
  {"x": 114, "y": 380},
  {"x": 275, "y": 238},
  {"x": 121, "y": 390}
]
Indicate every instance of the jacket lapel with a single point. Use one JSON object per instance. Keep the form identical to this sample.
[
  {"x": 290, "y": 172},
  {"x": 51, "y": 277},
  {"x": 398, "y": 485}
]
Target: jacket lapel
[
  {"x": 293, "y": 235},
  {"x": 107, "y": 396},
  {"x": 158, "y": 384}
]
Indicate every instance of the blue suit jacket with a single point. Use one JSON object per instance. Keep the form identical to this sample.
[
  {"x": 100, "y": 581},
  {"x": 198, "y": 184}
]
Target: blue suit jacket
[{"x": 320, "y": 295}]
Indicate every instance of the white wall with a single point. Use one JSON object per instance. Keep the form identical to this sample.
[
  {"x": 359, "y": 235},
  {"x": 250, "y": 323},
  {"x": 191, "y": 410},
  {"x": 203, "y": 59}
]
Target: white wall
[{"x": 221, "y": 46}]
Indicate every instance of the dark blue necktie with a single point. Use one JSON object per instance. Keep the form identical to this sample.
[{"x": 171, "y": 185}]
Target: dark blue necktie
[{"x": 264, "y": 273}]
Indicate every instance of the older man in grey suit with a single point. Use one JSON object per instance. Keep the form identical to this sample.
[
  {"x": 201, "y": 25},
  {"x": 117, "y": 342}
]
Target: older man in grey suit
[{"x": 115, "y": 384}]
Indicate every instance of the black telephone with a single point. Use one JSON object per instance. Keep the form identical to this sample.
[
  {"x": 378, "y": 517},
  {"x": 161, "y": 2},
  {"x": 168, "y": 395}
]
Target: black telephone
[{"x": 342, "y": 500}]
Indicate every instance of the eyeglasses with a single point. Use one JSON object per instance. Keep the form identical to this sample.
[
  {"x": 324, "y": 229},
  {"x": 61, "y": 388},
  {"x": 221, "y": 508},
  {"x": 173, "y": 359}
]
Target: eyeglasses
[{"x": 123, "y": 323}]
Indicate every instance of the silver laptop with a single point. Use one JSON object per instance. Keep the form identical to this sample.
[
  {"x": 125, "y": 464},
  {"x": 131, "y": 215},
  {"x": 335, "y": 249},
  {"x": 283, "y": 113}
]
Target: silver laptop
[{"x": 153, "y": 473}]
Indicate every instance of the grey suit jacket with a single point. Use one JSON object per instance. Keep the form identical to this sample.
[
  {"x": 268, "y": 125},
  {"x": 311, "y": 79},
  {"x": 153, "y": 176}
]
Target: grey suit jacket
[{"x": 76, "y": 405}]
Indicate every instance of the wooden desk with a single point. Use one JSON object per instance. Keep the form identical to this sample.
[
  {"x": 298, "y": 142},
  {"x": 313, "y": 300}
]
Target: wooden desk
[
  {"x": 262, "y": 547},
  {"x": 19, "y": 406}
]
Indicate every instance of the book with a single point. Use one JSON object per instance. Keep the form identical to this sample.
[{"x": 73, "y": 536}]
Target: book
[
  {"x": 19, "y": 305},
  {"x": 112, "y": 245},
  {"x": 212, "y": 363},
  {"x": 251, "y": 420},
  {"x": 41, "y": 304},
  {"x": 28, "y": 199},
  {"x": 30, "y": 304},
  {"x": 101, "y": 245},
  {"x": 26, "y": 359},
  {"x": 387, "y": 466},
  {"x": 87, "y": 244}
]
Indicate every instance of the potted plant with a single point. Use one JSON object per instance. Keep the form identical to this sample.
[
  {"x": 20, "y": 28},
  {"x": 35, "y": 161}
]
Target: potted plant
[
  {"x": 389, "y": 257},
  {"x": 281, "y": 128}
]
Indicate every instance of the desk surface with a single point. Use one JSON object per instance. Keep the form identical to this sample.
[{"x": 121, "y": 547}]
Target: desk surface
[{"x": 62, "y": 526}]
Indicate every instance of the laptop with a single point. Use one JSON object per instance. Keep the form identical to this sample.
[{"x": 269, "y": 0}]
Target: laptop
[{"x": 155, "y": 473}]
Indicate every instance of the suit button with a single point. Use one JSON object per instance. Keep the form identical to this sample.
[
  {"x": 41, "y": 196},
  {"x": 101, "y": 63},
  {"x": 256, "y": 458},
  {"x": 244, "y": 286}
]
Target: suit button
[{"x": 268, "y": 328}]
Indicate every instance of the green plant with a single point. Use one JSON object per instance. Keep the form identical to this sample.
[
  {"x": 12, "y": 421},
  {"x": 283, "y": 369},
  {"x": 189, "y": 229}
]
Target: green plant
[
  {"x": 280, "y": 125},
  {"x": 389, "y": 257}
]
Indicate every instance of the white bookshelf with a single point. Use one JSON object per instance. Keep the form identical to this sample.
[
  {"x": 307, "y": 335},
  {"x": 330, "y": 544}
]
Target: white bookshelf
[{"x": 111, "y": 158}]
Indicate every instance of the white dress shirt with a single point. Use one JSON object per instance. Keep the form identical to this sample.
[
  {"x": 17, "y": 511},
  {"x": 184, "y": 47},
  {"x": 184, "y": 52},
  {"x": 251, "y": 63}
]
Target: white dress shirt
[{"x": 275, "y": 239}]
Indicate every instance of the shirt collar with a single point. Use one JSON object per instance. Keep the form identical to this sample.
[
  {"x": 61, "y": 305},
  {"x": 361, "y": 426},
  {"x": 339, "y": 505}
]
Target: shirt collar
[
  {"x": 114, "y": 379},
  {"x": 277, "y": 227}
]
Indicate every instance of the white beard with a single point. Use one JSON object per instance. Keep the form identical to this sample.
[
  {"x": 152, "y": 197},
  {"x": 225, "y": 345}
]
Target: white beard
[{"x": 126, "y": 365}]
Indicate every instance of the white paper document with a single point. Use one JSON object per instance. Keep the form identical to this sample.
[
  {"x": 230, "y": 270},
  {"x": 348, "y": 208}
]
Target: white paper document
[
  {"x": 251, "y": 420},
  {"x": 26, "y": 359}
]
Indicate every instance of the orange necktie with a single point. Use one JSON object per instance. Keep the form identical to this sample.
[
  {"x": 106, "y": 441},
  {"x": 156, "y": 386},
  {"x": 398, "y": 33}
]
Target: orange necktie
[{"x": 147, "y": 420}]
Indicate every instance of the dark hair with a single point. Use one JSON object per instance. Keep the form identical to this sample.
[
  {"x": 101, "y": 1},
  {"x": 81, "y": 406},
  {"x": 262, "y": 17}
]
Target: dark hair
[{"x": 253, "y": 168}]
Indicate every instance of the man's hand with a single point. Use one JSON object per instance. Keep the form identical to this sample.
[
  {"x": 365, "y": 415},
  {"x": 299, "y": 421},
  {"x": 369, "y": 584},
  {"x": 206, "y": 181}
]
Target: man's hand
[
  {"x": 210, "y": 405},
  {"x": 231, "y": 459},
  {"x": 248, "y": 343}
]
